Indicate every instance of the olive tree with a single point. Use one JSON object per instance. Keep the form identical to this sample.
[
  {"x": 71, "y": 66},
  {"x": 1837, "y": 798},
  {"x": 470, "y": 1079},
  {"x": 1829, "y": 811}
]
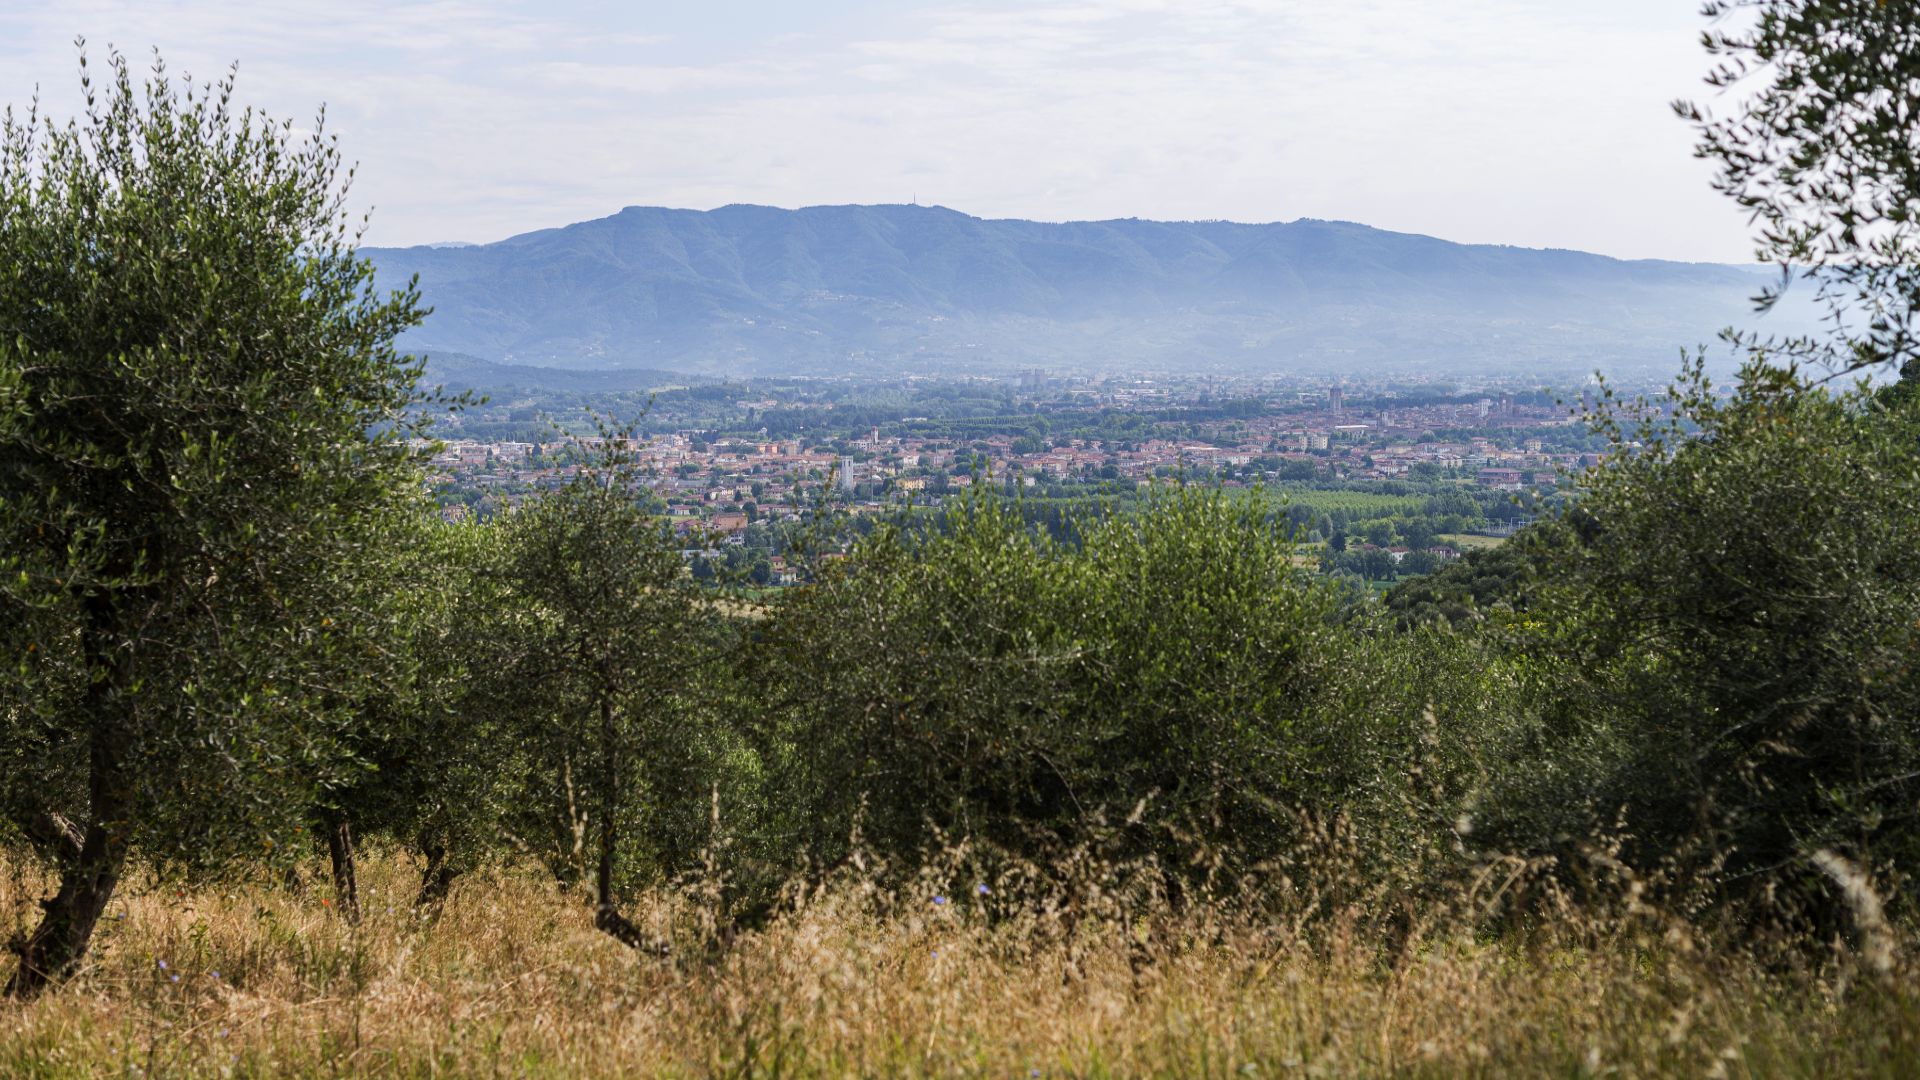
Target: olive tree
[
  {"x": 612, "y": 647},
  {"x": 200, "y": 403},
  {"x": 976, "y": 678},
  {"x": 1722, "y": 637},
  {"x": 1728, "y": 646},
  {"x": 438, "y": 754},
  {"x": 1819, "y": 149}
]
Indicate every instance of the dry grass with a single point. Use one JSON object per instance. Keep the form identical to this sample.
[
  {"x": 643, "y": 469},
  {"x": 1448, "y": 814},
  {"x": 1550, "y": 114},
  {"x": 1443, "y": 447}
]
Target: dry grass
[{"x": 513, "y": 980}]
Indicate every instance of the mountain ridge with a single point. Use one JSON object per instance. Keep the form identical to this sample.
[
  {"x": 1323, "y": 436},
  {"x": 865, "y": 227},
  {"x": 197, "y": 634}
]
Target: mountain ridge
[{"x": 745, "y": 289}]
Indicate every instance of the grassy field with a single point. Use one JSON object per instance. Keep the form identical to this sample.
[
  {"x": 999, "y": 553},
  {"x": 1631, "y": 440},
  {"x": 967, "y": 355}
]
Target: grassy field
[
  {"x": 1367, "y": 503},
  {"x": 1470, "y": 541},
  {"x": 512, "y": 980}
]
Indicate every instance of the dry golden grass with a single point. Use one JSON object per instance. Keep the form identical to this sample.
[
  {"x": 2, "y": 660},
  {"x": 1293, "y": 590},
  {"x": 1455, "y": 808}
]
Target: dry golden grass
[{"x": 513, "y": 980}]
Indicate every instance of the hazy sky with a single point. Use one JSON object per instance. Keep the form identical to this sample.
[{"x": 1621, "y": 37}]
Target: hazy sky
[{"x": 1535, "y": 122}]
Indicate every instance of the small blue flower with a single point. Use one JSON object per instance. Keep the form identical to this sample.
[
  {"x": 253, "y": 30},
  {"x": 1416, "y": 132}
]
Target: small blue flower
[
  {"x": 175, "y": 978},
  {"x": 981, "y": 889},
  {"x": 215, "y": 974},
  {"x": 939, "y": 899},
  {"x": 163, "y": 965}
]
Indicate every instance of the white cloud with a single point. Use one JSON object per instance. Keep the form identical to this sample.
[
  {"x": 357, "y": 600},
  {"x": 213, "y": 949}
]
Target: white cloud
[
  {"x": 643, "y": 79},
  {"x": 1521, "y": 121}
]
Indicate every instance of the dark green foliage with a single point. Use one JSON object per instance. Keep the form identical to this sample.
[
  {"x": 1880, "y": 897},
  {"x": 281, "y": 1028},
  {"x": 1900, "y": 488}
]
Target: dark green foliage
[
  {"x": 1482, "y": 583},
  {"x": 1732, "y": 650}
]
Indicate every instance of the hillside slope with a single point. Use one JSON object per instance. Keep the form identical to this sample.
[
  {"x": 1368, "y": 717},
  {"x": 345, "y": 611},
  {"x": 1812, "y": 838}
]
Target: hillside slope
[{"x": 753, "y": 289}]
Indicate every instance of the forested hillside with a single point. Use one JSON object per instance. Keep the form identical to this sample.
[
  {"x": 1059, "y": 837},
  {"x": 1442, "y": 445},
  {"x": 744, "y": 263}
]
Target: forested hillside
[{"x": 747, "y": 290}]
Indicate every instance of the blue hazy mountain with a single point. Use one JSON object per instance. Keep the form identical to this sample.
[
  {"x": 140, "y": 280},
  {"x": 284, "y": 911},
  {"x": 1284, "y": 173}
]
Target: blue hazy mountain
[
  {"x": 459, "y": 371},
  {"x": 758, "y": 290}
]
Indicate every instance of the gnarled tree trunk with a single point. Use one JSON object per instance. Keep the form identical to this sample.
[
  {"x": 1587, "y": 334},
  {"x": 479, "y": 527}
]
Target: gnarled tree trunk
[
  {"x": 346, "y": 889},
  {"x": 88, "y": 877},
  {"x": 436, "y": 879}
]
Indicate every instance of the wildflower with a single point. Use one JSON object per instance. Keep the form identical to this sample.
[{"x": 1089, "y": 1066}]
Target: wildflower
[
  {"x": 981, "y": 888},
  {"x": 163, "y": 965},
  {"x": 173, "y": 978},
  {"x": 324, "y": 902},
  {"x": 939, "y": 899},
  {"x": 215, "y": 974}
]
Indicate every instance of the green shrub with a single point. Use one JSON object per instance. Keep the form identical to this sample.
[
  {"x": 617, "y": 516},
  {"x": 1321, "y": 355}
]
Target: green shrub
[
  {"x": 1174, "y": 670},
  {"x": 1726, "y": 664}
]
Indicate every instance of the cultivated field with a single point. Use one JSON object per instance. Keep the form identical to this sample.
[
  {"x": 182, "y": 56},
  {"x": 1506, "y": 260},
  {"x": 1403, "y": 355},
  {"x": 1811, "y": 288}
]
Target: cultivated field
[{"x": 1470, "y": 541}]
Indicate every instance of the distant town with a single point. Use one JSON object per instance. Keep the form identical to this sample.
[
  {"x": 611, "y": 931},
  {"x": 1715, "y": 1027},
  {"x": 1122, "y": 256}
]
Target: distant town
[{"x": 730, "y": 461}]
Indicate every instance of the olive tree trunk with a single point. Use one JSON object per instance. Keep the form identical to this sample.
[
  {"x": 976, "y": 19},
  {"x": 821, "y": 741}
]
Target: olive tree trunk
[
  {"x": 436, "y": 879},
  {"x": 607, "y": 916},
  {"x": 346, "y": 888},
  {"x": 88, "y": 877}
]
